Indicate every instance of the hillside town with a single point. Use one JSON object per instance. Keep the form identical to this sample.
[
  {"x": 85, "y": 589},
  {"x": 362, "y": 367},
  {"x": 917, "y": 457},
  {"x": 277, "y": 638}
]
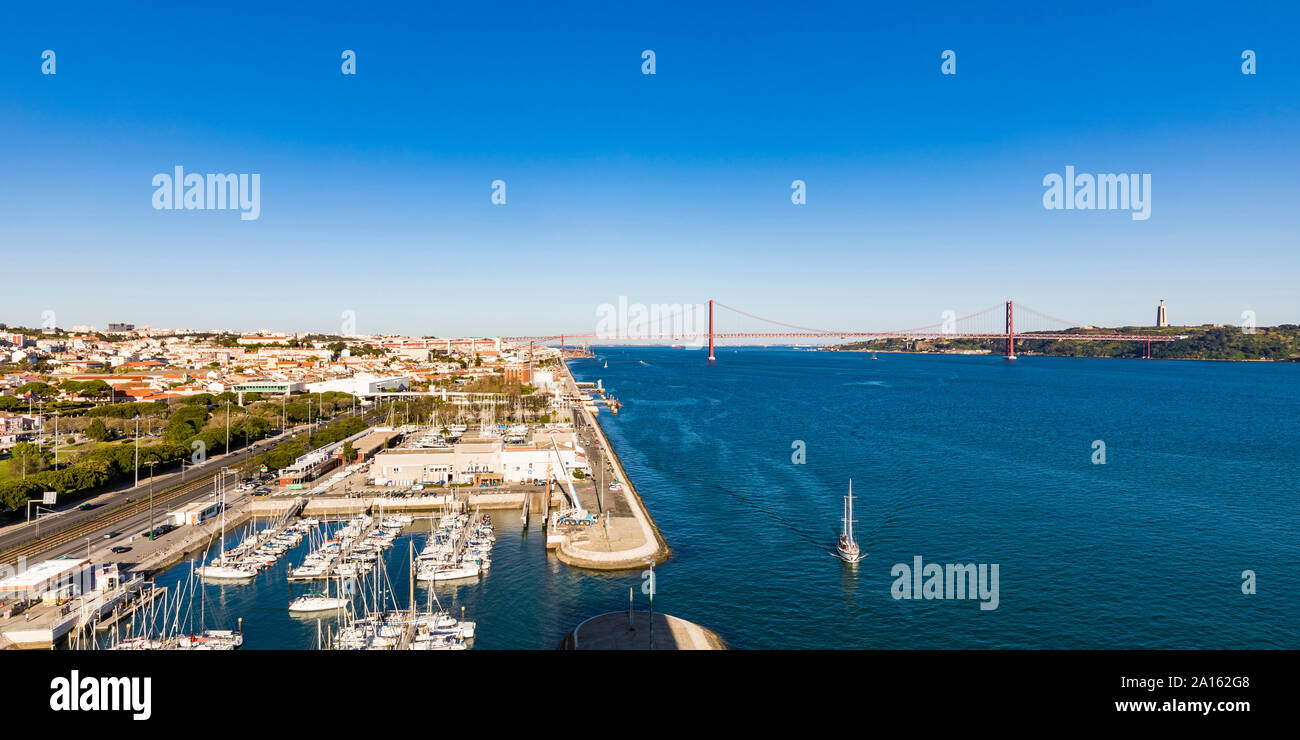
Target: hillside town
[{"x": 74, "y": 396}]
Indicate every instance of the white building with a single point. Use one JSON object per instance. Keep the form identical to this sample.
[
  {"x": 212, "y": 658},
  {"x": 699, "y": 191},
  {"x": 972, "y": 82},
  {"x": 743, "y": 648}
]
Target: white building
[
  {"x": 480, "y": 462},
  {"x": 362, "y": 384}
]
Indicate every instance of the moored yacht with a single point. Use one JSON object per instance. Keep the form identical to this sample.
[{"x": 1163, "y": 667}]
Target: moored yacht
[{"x": 315, "y": 603}]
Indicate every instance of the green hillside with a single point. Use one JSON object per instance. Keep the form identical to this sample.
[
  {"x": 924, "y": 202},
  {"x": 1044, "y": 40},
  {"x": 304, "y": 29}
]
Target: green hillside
[{"x": 1273, "y": 343}]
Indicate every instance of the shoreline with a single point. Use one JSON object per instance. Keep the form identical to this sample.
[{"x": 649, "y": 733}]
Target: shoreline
[
  {"x": 981, "y": 353},
  {"x": 653, "y": 549}
]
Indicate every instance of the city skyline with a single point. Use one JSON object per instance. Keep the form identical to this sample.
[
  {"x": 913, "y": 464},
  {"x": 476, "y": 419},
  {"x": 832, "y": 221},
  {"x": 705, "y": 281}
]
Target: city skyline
[{"x": 924, "y": 191}]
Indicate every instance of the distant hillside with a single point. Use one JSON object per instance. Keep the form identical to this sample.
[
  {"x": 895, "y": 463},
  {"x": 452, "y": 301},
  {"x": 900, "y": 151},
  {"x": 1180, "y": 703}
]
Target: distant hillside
[{"x": 1274, "y": 343}]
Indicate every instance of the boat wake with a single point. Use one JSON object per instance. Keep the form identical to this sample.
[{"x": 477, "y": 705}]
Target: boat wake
[{"x": 778, "y": 517}]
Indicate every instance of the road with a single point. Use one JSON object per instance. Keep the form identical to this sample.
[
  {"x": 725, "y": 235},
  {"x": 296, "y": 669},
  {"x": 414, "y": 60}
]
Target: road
[{"x": 109, "y": 515}]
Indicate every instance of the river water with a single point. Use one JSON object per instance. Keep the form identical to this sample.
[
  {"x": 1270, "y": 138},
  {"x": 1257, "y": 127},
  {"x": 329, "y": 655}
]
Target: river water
[{"x": 955, "y": 459}]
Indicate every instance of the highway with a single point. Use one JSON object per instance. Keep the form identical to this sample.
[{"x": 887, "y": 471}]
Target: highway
[{"x": 124, "y": 509}]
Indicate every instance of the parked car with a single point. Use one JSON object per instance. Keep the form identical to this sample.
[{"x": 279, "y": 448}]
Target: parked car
[
  {"x": 121, "y": 549},
  {"x": 86, "y": 506}
]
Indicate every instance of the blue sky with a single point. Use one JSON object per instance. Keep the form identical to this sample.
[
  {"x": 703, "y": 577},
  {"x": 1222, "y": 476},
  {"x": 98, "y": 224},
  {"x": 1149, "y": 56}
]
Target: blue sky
[{"x": 924, "y": 190}]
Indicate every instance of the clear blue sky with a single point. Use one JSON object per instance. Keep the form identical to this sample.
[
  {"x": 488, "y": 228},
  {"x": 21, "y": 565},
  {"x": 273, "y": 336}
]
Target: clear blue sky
[{"x": 924, "y": 191}]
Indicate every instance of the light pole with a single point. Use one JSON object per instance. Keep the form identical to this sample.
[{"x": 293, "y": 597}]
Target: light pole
[
  {"x": 652, "y": 605},
  {"x": 151, "y": 463},
  {"x": 38, "y": 515}
]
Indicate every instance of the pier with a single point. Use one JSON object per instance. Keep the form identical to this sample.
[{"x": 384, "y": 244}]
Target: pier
[
  {"x": 639, "y": 630},
  {"x": 625, "y": 536}
]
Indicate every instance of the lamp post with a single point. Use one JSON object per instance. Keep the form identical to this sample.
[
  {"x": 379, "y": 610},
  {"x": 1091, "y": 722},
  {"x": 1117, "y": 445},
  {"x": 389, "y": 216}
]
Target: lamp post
[
  {"x": 38, "y": 515},
  {"x": 151, "y": 463},
  {"x": 652, "y": 605}
]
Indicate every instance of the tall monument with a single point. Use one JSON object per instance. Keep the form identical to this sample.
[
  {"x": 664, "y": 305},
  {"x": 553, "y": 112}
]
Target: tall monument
[{"x": 1161, "y": 318}]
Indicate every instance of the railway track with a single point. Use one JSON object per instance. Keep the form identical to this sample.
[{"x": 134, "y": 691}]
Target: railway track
[{"x": 81, "y": 530}]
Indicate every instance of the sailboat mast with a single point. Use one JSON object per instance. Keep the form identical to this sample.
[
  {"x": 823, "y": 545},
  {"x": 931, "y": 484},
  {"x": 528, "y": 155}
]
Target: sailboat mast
[
  {"x": 848, "y": 505},
  {"x": 215, "y": 485}
]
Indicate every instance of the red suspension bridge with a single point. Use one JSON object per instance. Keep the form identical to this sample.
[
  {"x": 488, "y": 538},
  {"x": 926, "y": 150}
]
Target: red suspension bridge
[{"x": 996, "y": 323}]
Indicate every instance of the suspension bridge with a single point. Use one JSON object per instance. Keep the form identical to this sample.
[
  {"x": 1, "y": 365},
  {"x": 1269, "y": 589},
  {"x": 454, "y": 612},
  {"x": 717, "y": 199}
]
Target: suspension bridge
[{"x": 996, "y": 323}]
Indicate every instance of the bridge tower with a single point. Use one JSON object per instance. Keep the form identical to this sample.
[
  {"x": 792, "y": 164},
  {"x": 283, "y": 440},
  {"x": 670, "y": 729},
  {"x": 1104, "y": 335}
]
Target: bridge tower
[
  {"x": 711, "y": 357},
  {"x": 1011, "y": 333}
]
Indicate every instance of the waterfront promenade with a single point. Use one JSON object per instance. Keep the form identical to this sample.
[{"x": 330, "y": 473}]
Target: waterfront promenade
[
  {"x": 626, "y": 536},
  {"x": 632, "y": 631}
]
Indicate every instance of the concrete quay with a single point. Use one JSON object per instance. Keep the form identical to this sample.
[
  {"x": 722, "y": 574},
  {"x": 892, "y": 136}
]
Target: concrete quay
[
  {"x": 631, "y": 631},
  {"x": 626, "y": 537}
]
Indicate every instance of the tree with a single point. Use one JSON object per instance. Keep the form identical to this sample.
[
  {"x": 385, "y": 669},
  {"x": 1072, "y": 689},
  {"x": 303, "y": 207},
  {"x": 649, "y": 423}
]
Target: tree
[
  {"x": 38, "y": 389},
  {"x": 349, "y": 453},
  {"x": 97, "y": 431},
  {"x": 29, "y": 458}
]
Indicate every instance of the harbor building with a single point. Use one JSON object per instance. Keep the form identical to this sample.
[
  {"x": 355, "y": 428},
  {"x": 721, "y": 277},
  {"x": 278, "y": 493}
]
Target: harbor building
[
  {"x": 195, "y": 513},
  {"x": 362, "y": 385},
  {"x": 44, "y": 602},
  {"x": 480, "y": 462},
  {"x": 369, "y": 445},
  {"x": 282, "y": 388},
  {"x": 309, "y": 467}
]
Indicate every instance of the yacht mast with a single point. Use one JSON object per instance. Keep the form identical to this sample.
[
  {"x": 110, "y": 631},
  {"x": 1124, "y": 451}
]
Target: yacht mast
[
  {"x": 219, "y": 483},
  {"x": 848, "y": 513}
]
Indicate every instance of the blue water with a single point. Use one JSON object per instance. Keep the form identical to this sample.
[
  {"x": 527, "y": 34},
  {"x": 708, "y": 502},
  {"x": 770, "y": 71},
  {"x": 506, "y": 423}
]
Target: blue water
[
  {"x": 968, "y": 459},
  {"x": 957, "y": 459}
]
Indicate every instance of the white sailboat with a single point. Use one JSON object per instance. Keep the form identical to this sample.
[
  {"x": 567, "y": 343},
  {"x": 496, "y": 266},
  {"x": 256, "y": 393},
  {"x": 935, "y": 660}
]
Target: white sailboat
[
  {"x": 847, "y": 548},
  {"x": 316, "y": 603},
  {"x": 218, "y": 570}
]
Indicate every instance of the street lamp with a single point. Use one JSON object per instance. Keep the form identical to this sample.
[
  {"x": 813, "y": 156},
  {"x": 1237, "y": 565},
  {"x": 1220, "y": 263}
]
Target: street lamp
[
  {"x": 652, "y": 605},
  {"x": 151, "y": 463},
  {"x": 38, "y": 506}
]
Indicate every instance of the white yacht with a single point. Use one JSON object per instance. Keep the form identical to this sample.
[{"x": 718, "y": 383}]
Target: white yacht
[
  {"x": 847, "y": 548},
  {"x": 316, "y": 603},
  {"x": 230, "y": 573}
]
